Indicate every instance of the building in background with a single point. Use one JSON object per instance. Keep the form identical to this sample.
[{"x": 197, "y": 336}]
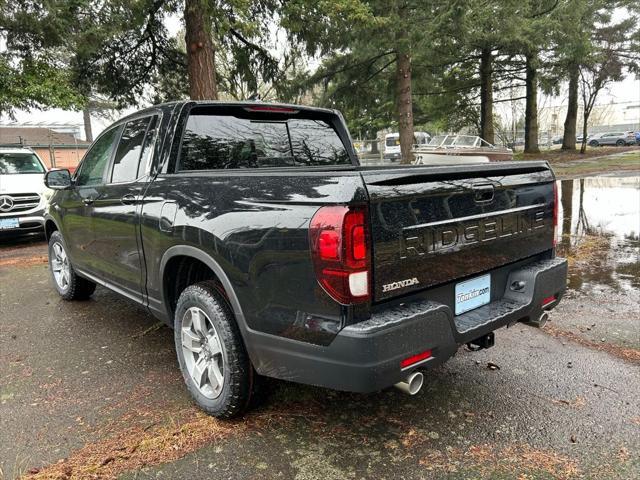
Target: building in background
[
  {"x": 57, "y": 149},
  {"x": 605, "y": 117}
]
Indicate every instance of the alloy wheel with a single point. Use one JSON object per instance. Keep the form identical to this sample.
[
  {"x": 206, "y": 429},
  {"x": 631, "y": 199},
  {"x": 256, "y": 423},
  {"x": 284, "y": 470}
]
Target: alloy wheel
[
  {"x": 60, "y": 266},
  {"x": 202, "y": 351}
]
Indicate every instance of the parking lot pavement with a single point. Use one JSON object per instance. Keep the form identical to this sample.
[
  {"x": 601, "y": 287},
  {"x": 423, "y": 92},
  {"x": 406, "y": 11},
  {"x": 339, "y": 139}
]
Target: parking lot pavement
[{"x": 91, "y": 390}]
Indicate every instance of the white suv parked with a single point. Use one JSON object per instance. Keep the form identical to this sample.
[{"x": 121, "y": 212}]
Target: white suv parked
[{"x": 22, "y": 190}]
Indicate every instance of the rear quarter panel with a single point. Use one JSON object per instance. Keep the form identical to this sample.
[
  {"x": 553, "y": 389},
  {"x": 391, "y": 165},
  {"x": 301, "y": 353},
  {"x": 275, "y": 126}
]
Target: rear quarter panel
[{"x": 254, "y": 225}]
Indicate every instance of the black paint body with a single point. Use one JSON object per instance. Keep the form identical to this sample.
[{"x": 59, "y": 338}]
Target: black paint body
[{"x": 437, "y": 224}]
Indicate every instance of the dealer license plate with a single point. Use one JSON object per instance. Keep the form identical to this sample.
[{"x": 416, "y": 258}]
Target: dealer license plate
[
  {"x": 472, "y": 294},
  {"x": 9, "y": 223}
]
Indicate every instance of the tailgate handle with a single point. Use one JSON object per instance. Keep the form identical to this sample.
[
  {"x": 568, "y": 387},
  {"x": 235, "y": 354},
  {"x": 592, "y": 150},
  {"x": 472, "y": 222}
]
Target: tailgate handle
[{"x": 483, "y": 193}]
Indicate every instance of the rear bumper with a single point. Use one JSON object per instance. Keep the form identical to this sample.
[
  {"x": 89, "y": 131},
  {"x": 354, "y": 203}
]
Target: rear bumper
[{"x": 366, "y": 356}]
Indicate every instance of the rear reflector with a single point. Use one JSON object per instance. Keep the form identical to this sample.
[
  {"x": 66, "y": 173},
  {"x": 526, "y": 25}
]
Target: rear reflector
[
  {"x": 548, "y": 300},
  {"x": 407, "y": 362}
]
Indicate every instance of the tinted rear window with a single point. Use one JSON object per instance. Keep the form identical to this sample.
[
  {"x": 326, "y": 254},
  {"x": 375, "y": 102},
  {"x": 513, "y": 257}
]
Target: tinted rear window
[{"x": 225, "y": 141}]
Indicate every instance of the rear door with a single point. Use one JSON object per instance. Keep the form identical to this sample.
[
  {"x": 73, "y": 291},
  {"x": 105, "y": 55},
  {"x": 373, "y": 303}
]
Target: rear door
[
  {"x": 116, "y": 247},
  {"x": 433, "y": 225}
]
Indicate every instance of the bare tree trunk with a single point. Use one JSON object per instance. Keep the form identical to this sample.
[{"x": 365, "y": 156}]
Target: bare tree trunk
[
  {"x": 200, "y": 51},
  {"x": 569, "y": 136},
  {"x": 404, "y": 106},
  {"x": 531, "y": 109},
  {"x": 585, "y": 119},
  {"x": 590, "y": 90},
  {"x": 86, "y": 115},
  {"x": 486, "y": 95}
]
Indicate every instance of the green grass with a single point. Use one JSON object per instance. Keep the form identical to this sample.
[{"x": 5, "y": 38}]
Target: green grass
[{"x": 628, "y": 162}]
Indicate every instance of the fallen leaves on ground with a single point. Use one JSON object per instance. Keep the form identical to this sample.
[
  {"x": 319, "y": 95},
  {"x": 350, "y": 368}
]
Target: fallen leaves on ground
[
  {"x": 24, "y": 261},
  {"x": 629, "y": 354},
  {"x": 138, "y": 447},
  {"x": 490, "y": 461},
  {"x": 493, "y": 366},
  {"x": 578, "y": 402}
]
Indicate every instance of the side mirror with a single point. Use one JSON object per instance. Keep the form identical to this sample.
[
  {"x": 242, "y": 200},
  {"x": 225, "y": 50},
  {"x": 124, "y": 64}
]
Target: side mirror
[{"x": 58, "y": 179}]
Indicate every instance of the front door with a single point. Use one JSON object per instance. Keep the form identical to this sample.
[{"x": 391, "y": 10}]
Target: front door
[
  {"x": 76, "y": 205},
  {"x": 116, "y": 211}
]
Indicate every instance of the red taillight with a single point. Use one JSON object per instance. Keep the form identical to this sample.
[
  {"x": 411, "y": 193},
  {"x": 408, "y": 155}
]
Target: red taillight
[
  {"x": 555, "y": 213},
  {"x": 329, "y": 245},
  {"x": 407, "y": 362},
  {"x": 548, "y": 300},
  {"x": 339, "y": 248},
  {"x": 359, "y": 243}
]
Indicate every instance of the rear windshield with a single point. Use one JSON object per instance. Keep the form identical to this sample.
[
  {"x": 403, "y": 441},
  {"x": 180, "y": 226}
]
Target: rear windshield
[
  {"x": 16, "y": 163},
  {"x": 393, "y": 141},
  {"x": 225, "y": 141}
]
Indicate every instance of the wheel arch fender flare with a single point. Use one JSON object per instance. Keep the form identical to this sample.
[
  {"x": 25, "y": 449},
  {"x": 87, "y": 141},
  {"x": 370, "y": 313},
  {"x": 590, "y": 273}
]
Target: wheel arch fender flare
[
  {"x": 198, "y": 254},
  {"x": 48, "y": 218}
]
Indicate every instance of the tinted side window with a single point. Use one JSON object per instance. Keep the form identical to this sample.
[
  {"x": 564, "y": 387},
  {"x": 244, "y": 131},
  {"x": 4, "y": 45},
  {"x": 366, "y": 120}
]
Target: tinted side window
[
  {"x": 224, "y": 141},
  {"x": 147, "y": 147},
  {"x": 96, "y": 159},
  {"x": 127, "y": 159}
]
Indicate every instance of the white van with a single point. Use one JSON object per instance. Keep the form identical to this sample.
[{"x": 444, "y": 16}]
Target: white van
[{"x": 392, "y": 144}]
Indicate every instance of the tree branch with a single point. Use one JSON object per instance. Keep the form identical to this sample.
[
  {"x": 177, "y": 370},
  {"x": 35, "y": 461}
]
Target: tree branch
[{"x": 370, "y": 61}]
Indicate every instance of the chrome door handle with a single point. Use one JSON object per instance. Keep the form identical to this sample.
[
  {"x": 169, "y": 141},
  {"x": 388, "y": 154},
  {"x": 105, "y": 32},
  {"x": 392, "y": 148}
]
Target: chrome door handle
[{"x": 129, "y": 199}]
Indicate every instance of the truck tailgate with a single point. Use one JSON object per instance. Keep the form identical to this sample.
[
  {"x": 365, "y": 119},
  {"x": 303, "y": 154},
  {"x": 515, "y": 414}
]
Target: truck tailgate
[{"x": 431, "y": 225}]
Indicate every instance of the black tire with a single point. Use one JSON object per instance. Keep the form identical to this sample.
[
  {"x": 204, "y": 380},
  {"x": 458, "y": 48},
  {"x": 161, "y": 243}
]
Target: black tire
[
  {"x": 237, "y": 371},
  {"x": 76, "y": 287},
  {"x": 593, "y": 143},
  {"x": 621, "y": 143}
]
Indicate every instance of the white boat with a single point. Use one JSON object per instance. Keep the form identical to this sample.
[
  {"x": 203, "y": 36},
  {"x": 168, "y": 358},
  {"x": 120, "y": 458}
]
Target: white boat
[{"x": 453, "y": 149}]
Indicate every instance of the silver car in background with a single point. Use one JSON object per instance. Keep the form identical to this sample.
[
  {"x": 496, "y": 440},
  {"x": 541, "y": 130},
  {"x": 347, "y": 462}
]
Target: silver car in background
[{"x": 619, "y": 139}]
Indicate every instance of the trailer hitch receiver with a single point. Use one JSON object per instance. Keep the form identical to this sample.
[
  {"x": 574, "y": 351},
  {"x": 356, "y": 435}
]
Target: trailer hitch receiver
[{"x": 486, "y": 341}]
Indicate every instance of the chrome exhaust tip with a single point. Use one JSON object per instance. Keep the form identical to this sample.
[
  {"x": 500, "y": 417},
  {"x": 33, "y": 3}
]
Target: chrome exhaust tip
[
  {"x": 412, "y": 384},
  {"x": 539, "y": 322},
  {"x": 544, "y": 318}
]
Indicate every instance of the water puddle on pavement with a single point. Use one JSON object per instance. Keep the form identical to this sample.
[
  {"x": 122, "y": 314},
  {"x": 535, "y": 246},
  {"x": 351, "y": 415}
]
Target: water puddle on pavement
[{"x": 599, "y": 228}]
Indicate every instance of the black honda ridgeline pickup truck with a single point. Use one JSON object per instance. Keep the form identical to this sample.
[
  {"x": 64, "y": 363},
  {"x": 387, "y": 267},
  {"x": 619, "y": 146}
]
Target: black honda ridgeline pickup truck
[{"x": 253, "y": 231}]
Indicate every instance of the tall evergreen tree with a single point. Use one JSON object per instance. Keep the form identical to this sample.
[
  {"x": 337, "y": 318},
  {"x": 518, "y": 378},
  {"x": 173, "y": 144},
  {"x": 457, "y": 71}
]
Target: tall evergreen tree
[
  {"x": 578, "y": 46},
  {"x": 615, "y": 51}
]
